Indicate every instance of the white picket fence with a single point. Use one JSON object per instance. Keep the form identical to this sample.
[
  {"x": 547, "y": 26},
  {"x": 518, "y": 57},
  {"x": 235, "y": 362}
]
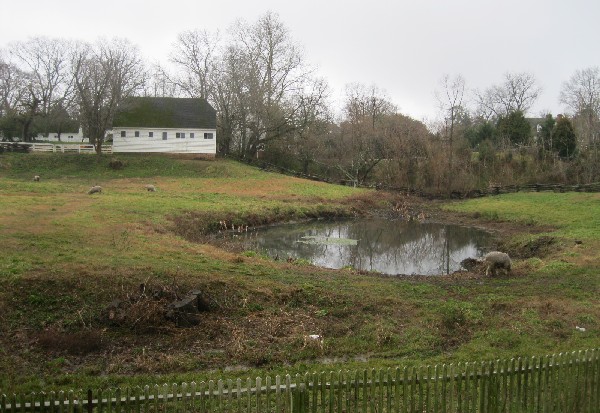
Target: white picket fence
[{"x": 77, "y": 148}]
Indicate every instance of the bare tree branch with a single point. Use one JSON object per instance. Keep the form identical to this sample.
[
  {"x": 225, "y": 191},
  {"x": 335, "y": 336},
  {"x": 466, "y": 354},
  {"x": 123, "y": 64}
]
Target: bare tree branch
[
  {"x": 518, "y": 92},
  {"x": 105, "y": 74}
]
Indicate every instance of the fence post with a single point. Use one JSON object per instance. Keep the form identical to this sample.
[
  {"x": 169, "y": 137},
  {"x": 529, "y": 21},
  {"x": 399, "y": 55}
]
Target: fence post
[
  {"x": 90, "y": 399},
  {"x": 299, "y": 398}
]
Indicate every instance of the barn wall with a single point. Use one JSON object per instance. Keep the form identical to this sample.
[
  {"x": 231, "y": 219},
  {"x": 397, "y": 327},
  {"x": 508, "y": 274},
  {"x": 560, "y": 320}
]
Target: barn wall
[{"x": 144, "y": 143}]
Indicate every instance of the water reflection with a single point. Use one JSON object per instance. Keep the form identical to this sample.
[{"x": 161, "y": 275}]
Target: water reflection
[{"x": 388, "y": 247}]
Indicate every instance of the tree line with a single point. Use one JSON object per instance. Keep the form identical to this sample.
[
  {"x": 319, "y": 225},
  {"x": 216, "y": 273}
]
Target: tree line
[{"x": 271, "y": 104}]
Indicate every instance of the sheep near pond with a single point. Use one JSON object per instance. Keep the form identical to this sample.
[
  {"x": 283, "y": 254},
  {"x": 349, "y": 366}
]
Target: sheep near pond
[
  {"x": 96, "y": 189},
  {"x": 36, "y": 178},
  {"x": 150, "y": 188},
  {"x": 495, "y": 261}
]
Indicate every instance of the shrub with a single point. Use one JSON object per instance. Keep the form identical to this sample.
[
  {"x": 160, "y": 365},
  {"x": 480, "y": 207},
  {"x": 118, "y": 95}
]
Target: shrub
[{"x": 116, "y": 164}]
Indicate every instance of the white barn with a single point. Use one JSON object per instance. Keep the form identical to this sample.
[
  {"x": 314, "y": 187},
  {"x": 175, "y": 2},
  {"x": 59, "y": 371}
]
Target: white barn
[{"x": 167, "y": 125}]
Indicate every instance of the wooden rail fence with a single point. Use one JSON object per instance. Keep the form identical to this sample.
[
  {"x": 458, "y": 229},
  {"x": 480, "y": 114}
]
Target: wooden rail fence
[
  {"x": 475, "y": 193},
  {"x": 567, "y": 382},
  {"x": 503, "y": 189}
]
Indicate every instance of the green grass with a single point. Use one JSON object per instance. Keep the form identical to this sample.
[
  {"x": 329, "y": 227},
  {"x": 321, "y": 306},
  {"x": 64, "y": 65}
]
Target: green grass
[
  {"x": 575, "y": 215},
  {"x": 66, "y": 255}
]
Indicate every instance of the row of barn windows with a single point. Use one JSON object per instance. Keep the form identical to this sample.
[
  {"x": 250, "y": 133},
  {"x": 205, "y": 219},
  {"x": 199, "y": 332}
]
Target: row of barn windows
[{"x": 178, "y": 135}]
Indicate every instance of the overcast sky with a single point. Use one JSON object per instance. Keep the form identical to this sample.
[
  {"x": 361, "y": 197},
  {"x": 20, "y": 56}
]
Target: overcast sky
[{"x": 403, "y": 47}]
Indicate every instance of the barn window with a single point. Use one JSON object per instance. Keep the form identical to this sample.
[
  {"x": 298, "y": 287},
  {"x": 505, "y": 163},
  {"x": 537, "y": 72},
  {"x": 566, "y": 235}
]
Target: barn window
[
  {"x": 182, "y": 135},
  {"x": 191, "y": 135},
  {"x": 164, "y": 136},
  {"x": 177, "y": 135},
  {"x": 123, "y": 134},
  {"x": 137, "y": 133},
  {"x": 208, "y": 135},
  {"x": 151, "y": 134}
]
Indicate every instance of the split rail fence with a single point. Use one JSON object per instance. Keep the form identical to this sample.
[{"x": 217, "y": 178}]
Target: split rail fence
[
  {"x": 491, "y": 190},
  {"x": 567, "y": 382}
]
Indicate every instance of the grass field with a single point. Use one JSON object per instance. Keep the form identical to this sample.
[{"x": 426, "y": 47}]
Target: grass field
[{"x": 67, "y": 255}]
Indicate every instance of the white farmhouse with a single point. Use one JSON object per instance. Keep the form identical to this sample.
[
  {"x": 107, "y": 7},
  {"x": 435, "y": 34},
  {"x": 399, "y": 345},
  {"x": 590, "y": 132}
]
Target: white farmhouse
[
  {"x": 168, "y": 125},
  {"x": 65, "y": 136}
]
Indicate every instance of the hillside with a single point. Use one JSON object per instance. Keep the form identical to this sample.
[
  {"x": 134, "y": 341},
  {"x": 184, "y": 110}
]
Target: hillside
[{"x": 86, "y": 280}]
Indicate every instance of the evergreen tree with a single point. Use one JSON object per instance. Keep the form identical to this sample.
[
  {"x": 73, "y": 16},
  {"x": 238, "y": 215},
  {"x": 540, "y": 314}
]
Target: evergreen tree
[
  {"x": 564, "y": 140},
  {"x": 546, "y": 132},
  {"x": 476, "y": 134},
  {"x": 514, "y": 128}
]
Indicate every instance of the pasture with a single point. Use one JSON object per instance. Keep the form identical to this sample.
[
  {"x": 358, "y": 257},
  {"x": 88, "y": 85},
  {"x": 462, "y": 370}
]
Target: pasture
[{"x": 85, "y": 279}]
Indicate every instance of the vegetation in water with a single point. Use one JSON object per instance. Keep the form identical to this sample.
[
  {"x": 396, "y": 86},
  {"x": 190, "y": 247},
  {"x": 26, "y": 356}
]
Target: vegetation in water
[{"x": 327, "y": 240}]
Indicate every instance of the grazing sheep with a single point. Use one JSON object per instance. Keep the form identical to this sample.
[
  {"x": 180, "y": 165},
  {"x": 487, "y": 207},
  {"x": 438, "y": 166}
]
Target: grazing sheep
[
  {"x": 96, "y": 189},
  {"x": 497, "y": 260},
  {"x": 36, "y": 178},
  {"x": 313, "y": 340},
  {"x": 150, "y": 188}
]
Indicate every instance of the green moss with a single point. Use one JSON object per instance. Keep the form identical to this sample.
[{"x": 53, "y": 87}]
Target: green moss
[{"x": 144, "y": 113}]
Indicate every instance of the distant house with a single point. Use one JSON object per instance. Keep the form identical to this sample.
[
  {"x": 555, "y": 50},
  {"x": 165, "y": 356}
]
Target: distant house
[
  {"x": 67, "y": 136},
  {"x": 536, "y": 127},
  {"x": 167, "y": 125}
]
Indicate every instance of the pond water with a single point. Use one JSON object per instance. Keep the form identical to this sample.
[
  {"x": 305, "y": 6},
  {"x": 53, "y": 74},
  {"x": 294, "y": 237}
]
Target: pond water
[{"x": 384, "y": 246}]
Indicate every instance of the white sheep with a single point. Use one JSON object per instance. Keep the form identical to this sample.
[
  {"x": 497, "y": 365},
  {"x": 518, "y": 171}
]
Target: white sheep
[
  {"x": 497, "y": 260},
  {"x": 96, "y": 189},
  {"x": 150, "y": 188},
  {"x": 36, "y": 178},
  {"x": 313, "y": 340}
]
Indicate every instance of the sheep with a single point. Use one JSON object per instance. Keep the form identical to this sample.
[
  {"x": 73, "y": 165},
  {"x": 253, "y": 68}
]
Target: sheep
[
  {"x": 36, "y": 178},
  {"x": 150, "y": 188},
  {"x": 96, "y": 189},
  {"x": 497, "y": 260},
  {"x": 313, "y": 340}
]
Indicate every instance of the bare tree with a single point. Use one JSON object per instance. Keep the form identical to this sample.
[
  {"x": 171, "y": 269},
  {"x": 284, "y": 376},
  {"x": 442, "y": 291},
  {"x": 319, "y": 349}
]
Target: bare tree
[
  {"x": 451, "y": 101},
  {"x": 367, "y": 103},
  {"x": 13, "y": 83},
  {"x": 313, "y": 119},
  {"x": 105, "y": 75},
  {"x": 194, "y": 55},
  {"x": 518, "y": 92},
  {"x": 11, "y": 86},
  {"x": 407, "y": 148},
  {"x": 361, "y": 145},
  {"x": 160, "y": 84},
  {"x": 581, "y": 95},
  {"x": 273, "y": 85},
  {"x": 229, "y": 100},
  {"x": 49, "y": 83}
]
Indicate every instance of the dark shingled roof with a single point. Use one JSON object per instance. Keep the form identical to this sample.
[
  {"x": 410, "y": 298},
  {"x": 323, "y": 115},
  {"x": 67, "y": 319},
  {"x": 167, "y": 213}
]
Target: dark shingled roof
[{"x": 151, "y": 112}]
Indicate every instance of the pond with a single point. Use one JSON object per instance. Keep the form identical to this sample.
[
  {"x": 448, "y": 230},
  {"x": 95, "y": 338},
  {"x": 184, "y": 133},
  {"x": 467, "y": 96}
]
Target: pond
[{"x": 384, "y": 246}]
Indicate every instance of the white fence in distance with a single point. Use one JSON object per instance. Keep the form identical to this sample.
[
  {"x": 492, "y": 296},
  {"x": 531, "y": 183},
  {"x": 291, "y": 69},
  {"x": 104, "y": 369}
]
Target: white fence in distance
[{"x": 78, "y": 148}]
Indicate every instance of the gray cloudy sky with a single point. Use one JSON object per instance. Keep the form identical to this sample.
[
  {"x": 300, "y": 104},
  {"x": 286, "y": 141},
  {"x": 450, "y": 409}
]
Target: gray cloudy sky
[{"x": 403, "y": 47}]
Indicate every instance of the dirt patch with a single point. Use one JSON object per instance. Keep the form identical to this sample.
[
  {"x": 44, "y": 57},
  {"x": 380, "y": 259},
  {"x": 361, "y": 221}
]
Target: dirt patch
[
  {"x": 538, "y": 247},
  {"x": 75, "y": 343}
]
